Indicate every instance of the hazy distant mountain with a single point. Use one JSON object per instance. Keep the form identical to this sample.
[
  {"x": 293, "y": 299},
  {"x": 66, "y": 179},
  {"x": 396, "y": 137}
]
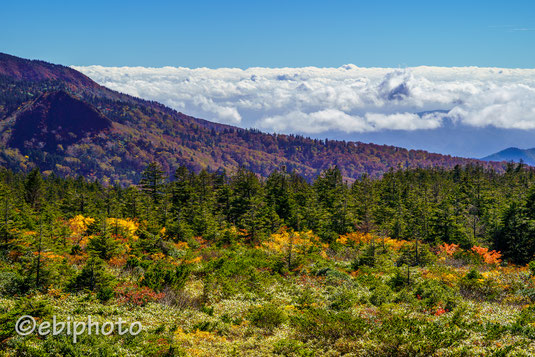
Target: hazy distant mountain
[
  {"x": 58, "y": 119},
  {"x": 514, "y": 154}
]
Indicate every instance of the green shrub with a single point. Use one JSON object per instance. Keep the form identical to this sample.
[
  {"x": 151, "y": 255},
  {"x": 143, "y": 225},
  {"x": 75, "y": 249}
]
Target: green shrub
[
  {"x": 102, "y": 246},
  {"x": 399, "y": 280},
  {"x": 474, "y": 285},
  {"x": 208, "y": 326},
  {"x": 528, "y": 293},
  {"x": 401, "y": 334},
  {"x": 327, "y": 325},
  {"x": 415, "y": 255},
  {"x": 531, "y": 266},
  {"x": 245, "y": 272},
  {"x": 381, "y": 294},
  {"x": 94, "y": 277},
  {"x": 344, "y": 299},
  {"x": 13, "y": 284},
  {"x": 367, "y": 258},
  {"x": 24, "y": 306},
  {"x": 268, "y": 316},
  {"x": 306, "y": 298},
  {"x": 433, "y": 293},
  {"x": 288, "y": 347},
  {"x": 160, "y": 275}
]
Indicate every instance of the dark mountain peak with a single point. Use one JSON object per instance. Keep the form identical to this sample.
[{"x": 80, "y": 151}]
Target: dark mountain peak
[
  {"x": 55, "y": 118},
  {"x": 21, "y": 69}
]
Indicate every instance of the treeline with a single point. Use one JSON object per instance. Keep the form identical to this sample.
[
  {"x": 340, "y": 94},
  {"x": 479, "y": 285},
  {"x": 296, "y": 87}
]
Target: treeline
[{"x": 467, "y": 206}]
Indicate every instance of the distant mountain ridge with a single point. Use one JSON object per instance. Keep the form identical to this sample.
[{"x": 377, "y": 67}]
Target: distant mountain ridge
[
  {"x": 58, "y": 119},
  {"x": 513, "y": 154}
]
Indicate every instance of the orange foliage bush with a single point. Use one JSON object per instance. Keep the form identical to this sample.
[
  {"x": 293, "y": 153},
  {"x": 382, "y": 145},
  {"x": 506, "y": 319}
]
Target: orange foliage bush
[
  {"x": 49, "y": 255},
  {"x": 299, "y": 242},
  {"x": 117, "y": 261},
  {"x": 79, "y": 224},
  {"x": 448, "y": 249},
  {"x": 125, "y": 228},
  {"x": 355, "y": 238},
  {"x": 489, "y": 257}
]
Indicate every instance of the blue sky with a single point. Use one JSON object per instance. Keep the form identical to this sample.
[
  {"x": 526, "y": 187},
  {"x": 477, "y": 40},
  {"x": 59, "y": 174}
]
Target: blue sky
[{"x": 272, "y": 33}]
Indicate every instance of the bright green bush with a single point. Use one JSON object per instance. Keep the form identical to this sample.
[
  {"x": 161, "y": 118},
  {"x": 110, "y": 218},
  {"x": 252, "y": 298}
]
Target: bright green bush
[
  {"x": 12, "y": 283},
  {"x": 267, "y": 316},
  {"x": 289, "y": 347},
  {"x": 381, "y": 294},
  {"x": 415, "y": 255},
  {"x": 344, "y": 299}
]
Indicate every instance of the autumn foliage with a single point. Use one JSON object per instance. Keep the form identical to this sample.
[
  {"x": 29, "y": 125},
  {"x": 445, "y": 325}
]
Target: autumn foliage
[
  {"x": 448, "y": 249},
  {"x": 131, "y": 294},
  {"x": 489, "y": 257}
]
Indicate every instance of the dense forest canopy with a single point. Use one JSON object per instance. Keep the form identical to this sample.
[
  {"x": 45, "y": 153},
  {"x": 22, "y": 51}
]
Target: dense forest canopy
[{"x": 466, "y": 206}]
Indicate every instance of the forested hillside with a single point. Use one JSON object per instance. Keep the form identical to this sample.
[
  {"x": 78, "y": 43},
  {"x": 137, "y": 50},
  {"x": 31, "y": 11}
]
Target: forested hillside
[{"x": 141, "y": 132}]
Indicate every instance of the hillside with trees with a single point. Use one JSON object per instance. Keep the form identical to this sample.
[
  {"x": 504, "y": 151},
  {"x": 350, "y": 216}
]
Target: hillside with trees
[{"x": 141, "y": 132}]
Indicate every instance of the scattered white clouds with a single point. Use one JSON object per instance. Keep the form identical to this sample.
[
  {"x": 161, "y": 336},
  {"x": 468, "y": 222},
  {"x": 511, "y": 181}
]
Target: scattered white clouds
[{"x": 348, "y": 99}]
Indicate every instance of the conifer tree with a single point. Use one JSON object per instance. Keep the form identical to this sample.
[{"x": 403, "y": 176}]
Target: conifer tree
[
  {"x": 33, "y": 188},
  {"x": 152, "y": 180}
]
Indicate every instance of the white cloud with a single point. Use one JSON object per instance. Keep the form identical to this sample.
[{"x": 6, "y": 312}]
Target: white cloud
[
  {"x": 404, "y": 121},
  {"x": 315, "y": 122},
  {"x": 333, "y": 119},
  {"x": 346, "y": 99}
]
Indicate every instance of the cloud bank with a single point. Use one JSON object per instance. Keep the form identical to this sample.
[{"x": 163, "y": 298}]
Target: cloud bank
[{"x": 347, "y": 99}]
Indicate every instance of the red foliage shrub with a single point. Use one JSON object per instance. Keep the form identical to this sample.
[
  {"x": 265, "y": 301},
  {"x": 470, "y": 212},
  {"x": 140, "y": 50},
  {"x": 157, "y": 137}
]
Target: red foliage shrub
[{"x": 131, "y": 294}]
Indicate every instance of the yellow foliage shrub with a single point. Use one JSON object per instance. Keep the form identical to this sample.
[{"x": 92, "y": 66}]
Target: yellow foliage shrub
[
  {"x": 127, "y": 226},
  {"x": 78, "y": 225},
  {"x": 300, "y": 242}
]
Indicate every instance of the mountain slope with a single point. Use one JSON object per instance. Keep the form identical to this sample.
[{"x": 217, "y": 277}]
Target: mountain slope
[
  {"x": 112, "y": 136},
  {"x": 513, "y": 154},
  {"x": 55, "y": 118}
]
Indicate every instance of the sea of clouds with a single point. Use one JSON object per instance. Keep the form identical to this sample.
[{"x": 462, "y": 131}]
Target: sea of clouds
[{"x": 347, "y": 99}]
